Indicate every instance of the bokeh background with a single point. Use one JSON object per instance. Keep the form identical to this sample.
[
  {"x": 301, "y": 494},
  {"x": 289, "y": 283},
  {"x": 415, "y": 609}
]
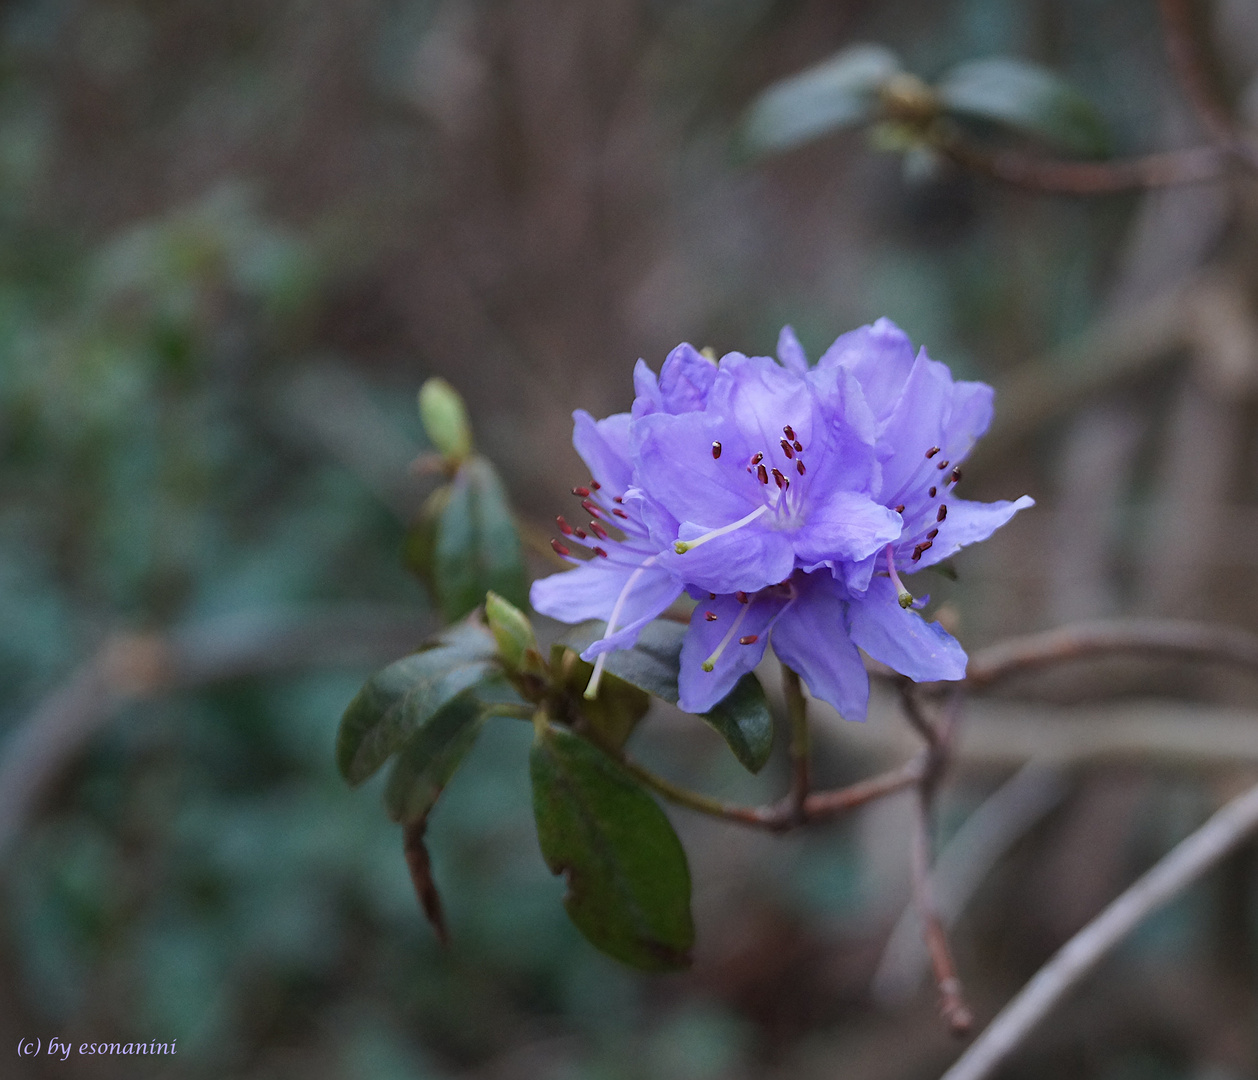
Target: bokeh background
[{"x": 235, "y": 237}]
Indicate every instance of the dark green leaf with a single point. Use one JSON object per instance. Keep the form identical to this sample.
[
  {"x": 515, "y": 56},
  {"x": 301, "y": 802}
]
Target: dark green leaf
[
  {"x": 396, "y": 700},
  {"x": 839, "y": 93},
  {"x": 742, "y": 718},
  {"x": 744, "y": 721},
  {"x": 1027, "y": 98},
  {"x": 456, "y": 572},
  {"x": 501, "y": 562},
  {"x": 430, "y": 757},
  {"x": 628, "y": 882},
  {"x": 465, "y": 543}
]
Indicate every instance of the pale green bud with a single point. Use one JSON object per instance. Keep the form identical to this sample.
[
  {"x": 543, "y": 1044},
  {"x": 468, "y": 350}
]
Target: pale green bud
[
  {"x": 511, "y": 629},
  {"x": 445, "y": 419}
]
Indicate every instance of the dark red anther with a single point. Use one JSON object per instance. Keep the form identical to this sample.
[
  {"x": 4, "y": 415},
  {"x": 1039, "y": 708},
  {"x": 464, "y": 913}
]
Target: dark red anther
[
  {"x": 956, "y": 475},
  {"x": 598, "y": 530},
  {"x": 762, "y": 473},
  {"x": 932, "y": 534},
  {"x": 620, "y": 513},
  {"x": 748, "y": 639},
  {"x": 711, "y": 596},
  {"x": 559, "y": 548},
  {"x": 600, "y": 553},
  {"x": 900, "y": 509},
  {"x": 564, "y": 527},
  {"x": 749, "y": 472},
  {"x": 595, "y": 485},
  {"x": 917, "y": 552},
  {"x": 933, "y": 492},
  {"x": 590, "y": 508},
  {"x": 779, "y": 479},
  {"x": 943, "y": 464},
  {"x": 710, "y": 616},
  {"x": 943, "y": 512},
  {"x": 786, "y": 449},
  {"x": 925, "y": 545},
  {"x": 789, "y": 432},
  {"x": 799, "y": 447},
  {"x": 741, "y": 597},
  {"x": 581, "y": 492},
  {"x": 617, "y": 499},
  {"x": 799, "y": 467},
  {"x": 759, "y": 457},
  {"x": 581, "y": 534},
  {"x": 931, "y": 452}
]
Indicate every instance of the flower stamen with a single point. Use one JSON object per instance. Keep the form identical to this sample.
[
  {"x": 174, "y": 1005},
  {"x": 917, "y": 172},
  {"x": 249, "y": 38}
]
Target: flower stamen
[
  {"x": 682, "y": 546},
  {"x": 710, "y": 663},
  {"x": 902, "y": 594}
]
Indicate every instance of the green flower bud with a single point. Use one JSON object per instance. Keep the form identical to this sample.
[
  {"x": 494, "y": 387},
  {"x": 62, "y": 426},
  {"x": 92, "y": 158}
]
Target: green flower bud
[
  {"x": 445, "y": 419},
  {"x": 511, "y": 629}
]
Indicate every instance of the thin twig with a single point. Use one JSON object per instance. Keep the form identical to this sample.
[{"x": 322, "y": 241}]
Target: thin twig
[
  {"x": 987, "y": 834},
  {"x": 1183, "y": 865},
  {"x": 797, "y": 710},
  {"x": 1189, "y": 66},
  {"x": 938, "y": 739},
  {"x": 819, "y": 806},
  {"x": 1170, "y": 168},
  {"x": 1151, "y": 637}
]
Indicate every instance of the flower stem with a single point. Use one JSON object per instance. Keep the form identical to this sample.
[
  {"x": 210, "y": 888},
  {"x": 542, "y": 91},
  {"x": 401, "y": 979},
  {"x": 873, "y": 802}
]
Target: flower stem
[
  {"x": 781, "y": 816},
  {"x": 797, "y": 711},
  {"x": 694, "y": 800}
]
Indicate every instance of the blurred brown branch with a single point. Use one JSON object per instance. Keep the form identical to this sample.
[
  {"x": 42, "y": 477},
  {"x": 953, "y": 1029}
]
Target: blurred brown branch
[
  {"x": 1183, "y": 865},
  {"x": 133, "y": 667},
  {"x": 1198, "y": 165},
  {"x": 1189, "y": 65},
  {"x": 1150, "y": 637}
]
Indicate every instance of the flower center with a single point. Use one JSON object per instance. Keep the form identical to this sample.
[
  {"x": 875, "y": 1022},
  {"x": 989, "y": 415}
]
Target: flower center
[{"x": 778, "y": 497}]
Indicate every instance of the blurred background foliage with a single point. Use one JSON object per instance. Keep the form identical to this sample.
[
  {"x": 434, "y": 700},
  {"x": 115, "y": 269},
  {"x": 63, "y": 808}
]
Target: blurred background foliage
[{"x": 236, "y": 237}]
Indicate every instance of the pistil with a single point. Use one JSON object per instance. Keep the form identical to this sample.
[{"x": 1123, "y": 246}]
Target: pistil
[{"x": 591, "y": 689}]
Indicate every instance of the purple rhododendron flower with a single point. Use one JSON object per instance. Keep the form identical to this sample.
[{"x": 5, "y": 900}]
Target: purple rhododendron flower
[{"x": 788, "y": 501}]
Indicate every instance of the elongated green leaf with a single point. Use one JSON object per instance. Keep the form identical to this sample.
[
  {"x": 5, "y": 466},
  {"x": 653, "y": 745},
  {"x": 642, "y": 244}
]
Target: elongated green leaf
[
  {"x": 742, "y": 718},
  {"x": 839, "y": 93},
  {"x": 430, "y": 757},
  {"x": 628, "y": 881},
  {"x": 1027, "y": 98},
  {"x": 500, "y": 562},
  {"x": 399, "y": 698},
  {"x": 456, "y": 577},
  {"x": 465, "y": 543}
]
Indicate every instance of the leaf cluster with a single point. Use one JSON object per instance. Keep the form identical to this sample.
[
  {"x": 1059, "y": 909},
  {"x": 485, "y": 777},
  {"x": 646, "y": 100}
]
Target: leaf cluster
[
  {"x": 628, "y": 879},
  {"x": 868, "y": 86}
]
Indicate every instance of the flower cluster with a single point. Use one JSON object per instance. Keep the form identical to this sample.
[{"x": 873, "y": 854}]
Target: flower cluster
[{"x": 788, "y": 501}]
